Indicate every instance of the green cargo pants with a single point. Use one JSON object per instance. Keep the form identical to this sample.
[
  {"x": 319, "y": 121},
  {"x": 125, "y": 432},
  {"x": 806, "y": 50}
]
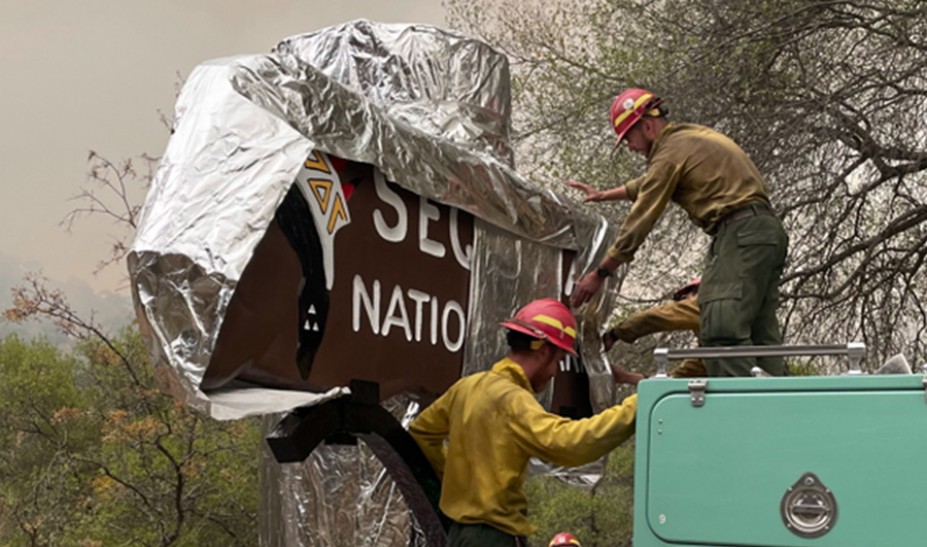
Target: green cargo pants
[
  {"x": 739, "y": 293},
  {"x": 481, "y": 535}
]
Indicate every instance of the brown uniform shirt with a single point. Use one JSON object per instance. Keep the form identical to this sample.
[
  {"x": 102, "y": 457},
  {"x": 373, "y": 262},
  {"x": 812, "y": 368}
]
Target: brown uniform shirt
[{"x": 703, "y": 171}]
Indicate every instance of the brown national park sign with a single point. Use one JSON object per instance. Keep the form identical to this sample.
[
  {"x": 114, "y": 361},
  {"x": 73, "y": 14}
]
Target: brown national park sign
[{"x": 355, "y": 278}]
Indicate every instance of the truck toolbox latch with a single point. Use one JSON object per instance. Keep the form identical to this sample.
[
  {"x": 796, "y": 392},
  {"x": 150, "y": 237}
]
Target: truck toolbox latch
[
  {"x": 697, "y": 392},
  {"x": 808, "y": 507}
]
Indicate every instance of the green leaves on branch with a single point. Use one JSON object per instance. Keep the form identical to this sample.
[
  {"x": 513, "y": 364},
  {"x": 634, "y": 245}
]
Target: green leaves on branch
[{"x": 94, "y": 456}]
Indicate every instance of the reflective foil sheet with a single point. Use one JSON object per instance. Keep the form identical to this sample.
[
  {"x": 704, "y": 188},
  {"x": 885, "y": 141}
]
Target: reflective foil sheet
[
  {"x": 427, "y": 108},
  {"x": 340, "y": 495},
  {"x": 285, "y": 175}
]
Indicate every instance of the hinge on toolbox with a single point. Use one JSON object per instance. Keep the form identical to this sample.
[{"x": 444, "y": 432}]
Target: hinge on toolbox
[
  {"x": 661, "y": 356},
  {"x": 925, "y": 387},
  {"x": 697, "y": 392},
  {"x": 855, "y": 353}
]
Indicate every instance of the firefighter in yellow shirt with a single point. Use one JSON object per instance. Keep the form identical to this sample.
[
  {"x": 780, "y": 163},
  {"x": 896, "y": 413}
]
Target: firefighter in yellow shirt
[
  {"x": 722, "y": 191},
  {"x": 481, "y": 432}
]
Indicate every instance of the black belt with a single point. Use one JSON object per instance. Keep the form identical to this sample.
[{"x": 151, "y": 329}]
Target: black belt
[{"x": 747, "y": 211}]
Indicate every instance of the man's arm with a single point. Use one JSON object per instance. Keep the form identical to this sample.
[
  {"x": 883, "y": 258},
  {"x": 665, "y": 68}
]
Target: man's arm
[
  {"x": 589, "y": 284},
  {"x": 591, "y": 194},
  {"x": 567, "y": 442},
  {"x": 650, "y": 193}
]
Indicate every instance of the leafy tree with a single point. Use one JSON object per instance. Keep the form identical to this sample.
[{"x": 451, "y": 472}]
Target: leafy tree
[
  {"x": 36, "y": 394},
  {"x": 828, "y": 98},
  {"x": 92, "y": 452}
]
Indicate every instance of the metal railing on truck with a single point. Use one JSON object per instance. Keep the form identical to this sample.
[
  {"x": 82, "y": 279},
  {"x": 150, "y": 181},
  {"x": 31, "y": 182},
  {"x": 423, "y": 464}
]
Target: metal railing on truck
[{"x": 854, "y": 352}]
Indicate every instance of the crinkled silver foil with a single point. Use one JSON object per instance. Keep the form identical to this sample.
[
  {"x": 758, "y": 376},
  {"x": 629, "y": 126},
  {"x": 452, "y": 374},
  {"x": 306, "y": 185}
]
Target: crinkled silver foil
[
  {"x": 428, "y": 108},
  {"x": 340, "y": 495}
]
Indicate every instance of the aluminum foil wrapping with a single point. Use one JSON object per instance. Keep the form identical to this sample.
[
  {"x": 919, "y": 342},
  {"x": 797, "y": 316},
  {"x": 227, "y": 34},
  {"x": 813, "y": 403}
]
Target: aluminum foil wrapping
[
  {"x": 340, "y": 495},
  {"x": 428, "y": 108}
]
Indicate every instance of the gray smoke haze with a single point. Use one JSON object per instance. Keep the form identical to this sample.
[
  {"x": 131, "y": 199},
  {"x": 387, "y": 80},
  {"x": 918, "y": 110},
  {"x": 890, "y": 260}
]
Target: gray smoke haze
[{"x": 97, "y": 75}]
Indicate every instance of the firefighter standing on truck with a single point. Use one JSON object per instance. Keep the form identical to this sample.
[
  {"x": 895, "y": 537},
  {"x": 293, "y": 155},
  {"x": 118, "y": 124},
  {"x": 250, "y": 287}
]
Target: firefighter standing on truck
[
  {"x": 722, "y": 191},
  {"x": 492, "y": 424}
]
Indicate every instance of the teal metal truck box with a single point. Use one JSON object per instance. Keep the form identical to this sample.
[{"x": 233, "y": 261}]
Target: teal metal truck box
[{"x": 798, "y": 461}]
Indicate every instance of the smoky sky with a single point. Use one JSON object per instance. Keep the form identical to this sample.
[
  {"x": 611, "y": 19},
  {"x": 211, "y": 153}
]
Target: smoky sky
[{"x": 98, "y": 75}]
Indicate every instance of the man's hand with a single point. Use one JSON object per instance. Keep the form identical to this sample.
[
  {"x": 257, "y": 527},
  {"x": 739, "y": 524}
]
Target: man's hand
[
  {"x": 623, "y": 376},
  {"x": 590, "y": 193},
  {"x": 587, "y": 287}
]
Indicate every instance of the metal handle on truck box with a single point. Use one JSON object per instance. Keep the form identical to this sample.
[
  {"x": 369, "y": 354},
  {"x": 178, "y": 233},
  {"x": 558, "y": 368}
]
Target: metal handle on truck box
[{"x": 853, "y": 350}]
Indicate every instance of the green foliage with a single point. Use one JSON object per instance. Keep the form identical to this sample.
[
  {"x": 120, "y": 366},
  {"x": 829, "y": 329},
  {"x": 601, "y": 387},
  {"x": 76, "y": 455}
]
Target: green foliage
[
  {"x": 556, "y": 506},
  {"x": 804, "y": 367},
  {"x": 94, "y": 454},
  {"x": 599, "y": 516}
]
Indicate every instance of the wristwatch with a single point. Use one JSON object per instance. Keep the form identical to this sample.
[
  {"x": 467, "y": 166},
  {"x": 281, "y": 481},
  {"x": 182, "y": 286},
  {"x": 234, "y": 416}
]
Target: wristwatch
[{"x": 603, "y": 272}]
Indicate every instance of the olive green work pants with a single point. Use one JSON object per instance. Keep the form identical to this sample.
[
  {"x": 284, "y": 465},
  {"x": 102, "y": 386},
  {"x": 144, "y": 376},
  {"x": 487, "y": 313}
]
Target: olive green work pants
[
  {"x": 480, "y": 535},
  {"x": 739, "y": 293}
]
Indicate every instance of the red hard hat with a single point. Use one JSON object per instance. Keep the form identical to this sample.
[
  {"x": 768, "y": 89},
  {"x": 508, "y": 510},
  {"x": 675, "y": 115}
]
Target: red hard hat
[
  {"x": 564, "y": 539},
  {"x": 548, "y": 320},
  {"x": 629, "y": 107}
]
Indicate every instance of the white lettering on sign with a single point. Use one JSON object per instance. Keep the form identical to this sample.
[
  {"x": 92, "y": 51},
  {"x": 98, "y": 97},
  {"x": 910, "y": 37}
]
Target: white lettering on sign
[
  {"x": 393, "y": 234},
  {"x": 396, "y": 315},
  {"x": 420, "y": 298},
  {"x": 452, "y": 307},
  {"x": 427, "y": 213},
  {"x": 462, "y": 255},
  {"x": 449, "y": 320},
  {"x": 371, "y": 304},
  {"x": 434, "y": 322}
]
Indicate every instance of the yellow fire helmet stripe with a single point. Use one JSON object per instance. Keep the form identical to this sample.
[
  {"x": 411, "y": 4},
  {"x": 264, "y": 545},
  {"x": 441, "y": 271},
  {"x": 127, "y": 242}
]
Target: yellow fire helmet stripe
[
  {"x": 548, "y": 320},
  {"x": 624, "y": 115}
]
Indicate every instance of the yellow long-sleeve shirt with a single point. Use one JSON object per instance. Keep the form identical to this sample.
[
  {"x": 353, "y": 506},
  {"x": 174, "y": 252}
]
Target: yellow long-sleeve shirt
[
  {"x": 703, "y": 171},
  {"x": 492, "y": 424}
]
